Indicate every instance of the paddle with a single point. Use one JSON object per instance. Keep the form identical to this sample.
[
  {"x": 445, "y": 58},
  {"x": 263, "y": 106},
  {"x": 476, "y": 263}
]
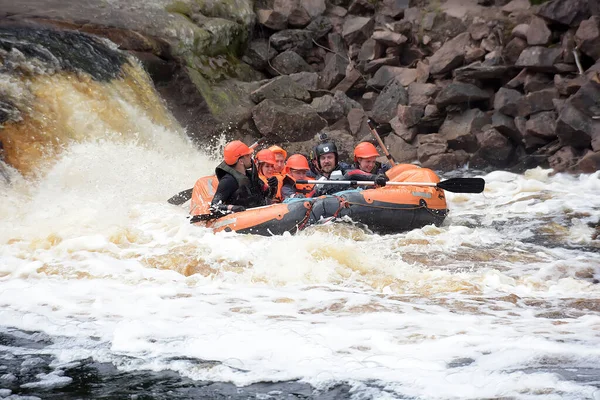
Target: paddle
[
  {"x": 455, "y": 185},
  {"x": 385, "y": 150},
  {"x": 186, "y": 194}
]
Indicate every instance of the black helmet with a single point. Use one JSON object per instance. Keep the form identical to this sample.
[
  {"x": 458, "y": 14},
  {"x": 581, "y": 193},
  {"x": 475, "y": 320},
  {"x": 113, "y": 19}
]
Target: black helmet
[{"x": 324, "y": 148}]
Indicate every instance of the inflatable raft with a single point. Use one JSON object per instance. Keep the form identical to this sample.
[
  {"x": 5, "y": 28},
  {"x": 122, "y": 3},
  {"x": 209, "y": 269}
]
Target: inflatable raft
[{"x": 390, "y": 209}]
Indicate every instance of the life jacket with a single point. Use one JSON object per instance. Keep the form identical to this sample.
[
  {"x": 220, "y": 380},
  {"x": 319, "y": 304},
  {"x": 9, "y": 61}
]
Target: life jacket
[
  {"x": 305, "y": 189},
  {"x": 250, "y": 189},
  {"x": 278, "y": 198},
  {"x": 379, "y": 168}
]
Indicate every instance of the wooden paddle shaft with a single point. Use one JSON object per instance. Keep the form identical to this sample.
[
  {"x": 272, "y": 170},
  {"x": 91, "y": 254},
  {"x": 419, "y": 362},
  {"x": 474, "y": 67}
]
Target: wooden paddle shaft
[{"x": 376, "y": 135}]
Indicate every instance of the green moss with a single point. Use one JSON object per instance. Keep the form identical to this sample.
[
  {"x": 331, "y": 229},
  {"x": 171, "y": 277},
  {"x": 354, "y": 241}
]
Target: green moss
[
  {"x": 180, "y": 7},
  {"x": 227, "y": 37},
  {"x": 240, "y": 11},
  {"x": 536, "y": 2},
  {"x": 220, "y": 100}
]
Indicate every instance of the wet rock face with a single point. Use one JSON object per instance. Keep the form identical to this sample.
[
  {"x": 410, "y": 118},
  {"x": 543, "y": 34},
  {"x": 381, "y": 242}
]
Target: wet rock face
[{"x": 50, "y": 51}]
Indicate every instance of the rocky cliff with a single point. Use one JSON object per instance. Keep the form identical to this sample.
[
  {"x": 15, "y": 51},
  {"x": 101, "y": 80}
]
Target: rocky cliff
[{"x": 494, "y": 84}]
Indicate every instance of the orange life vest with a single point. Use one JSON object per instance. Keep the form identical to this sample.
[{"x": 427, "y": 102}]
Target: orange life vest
[{"x": 277, "y": 198}]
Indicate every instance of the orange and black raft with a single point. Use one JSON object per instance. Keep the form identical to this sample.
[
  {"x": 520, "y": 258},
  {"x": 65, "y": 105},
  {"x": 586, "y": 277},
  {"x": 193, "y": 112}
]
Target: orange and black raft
[{"x": 390, "y": 209}]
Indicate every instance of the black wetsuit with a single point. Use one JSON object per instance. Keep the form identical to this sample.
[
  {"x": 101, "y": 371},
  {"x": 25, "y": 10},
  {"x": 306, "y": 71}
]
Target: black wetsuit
[{"x": 239, "y": 189}]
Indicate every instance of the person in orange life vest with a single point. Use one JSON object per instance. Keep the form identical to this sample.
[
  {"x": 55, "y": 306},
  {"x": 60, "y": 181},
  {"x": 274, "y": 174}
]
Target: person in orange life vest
[
  {"x": 239, "y": 185},
  {"x": 365, "y": 155},
  {"x": 326, "y": 155},
  {"x": 265, "y": 159},
  {"x": 280, "y": 156},
  {"x": 296, "y": 169}
]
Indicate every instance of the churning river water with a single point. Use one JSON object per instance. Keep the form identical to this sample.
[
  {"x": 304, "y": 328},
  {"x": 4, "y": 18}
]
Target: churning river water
[{"x": 106, "y": 290}]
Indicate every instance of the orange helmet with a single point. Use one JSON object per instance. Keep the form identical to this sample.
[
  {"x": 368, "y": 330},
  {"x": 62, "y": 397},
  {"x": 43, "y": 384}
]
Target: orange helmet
[
  {"x": 277, "y": 149},
  {"x": 234, "y": 150},
  {"x": 265, "y": 156},
  {"x": 365, "y": 150},
  {"x": 296, "y": 161}
]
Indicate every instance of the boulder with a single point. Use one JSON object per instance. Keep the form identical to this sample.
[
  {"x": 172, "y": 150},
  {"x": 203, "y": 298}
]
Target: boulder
[
  {"x": 385, "y": 74},
  {"x": 538, "y": 33},
  {"x": 451, "y": 55},
  {"x": 506, "y": 126},
  {"x": 328, "y": 107},
  {"x": 288, "y": 62},
  {"x": 507, "y": 101},
  {"x": 386, "y": 105},
  {"x": 287, "y": 119},
  {"x": 459, "y": 93},
  {"x": 494, "y": 150},
  {"x": 430, "y": 145},
  {"x": 280, "y": 88},
  {"x": 410, "y": 115},
  {"x": 402, "y": 151},
  {"x": 460, "y": 130},
  {"x": 357, "y": 120},
  {"x": 587, "y": 37},
  {"x": 539, "y": 58},
  {"x": 421, "y": 94},
  {"x": 259, "y": 53},
  {"x": 566, "y": 12},
  {"x": 334, "y": 71},
  {"x": 536, "y": 102},
  {"x": 357, "y": 29},
  {"x": 401, "y": 130}
]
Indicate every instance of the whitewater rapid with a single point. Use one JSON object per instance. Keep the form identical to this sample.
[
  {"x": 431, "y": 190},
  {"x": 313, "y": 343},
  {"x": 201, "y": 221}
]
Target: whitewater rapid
[{"x": 491, "y": 304}]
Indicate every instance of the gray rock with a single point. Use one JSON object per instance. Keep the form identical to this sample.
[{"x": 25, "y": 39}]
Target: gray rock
[
  {"x": 494, "y": 149},
  {"x": 259, "y": 53},
  {"x": 387, "y": 102},
  {"x": 450, "y": 55},
  {"x": 421, "y": 94},
  {"x": 385, "y": 74},
  {"x": 272, "y": 19},
  {"x": 513, "y": 49},
  {"x": 542, "y": 125},
  {"x": 410, "y": 115},
  {"x": 334, "y": 71},
  {"x": 460, "y": 130},
  {"x": 566, "y": 12},
  {"x": 460, "y": 93},
  {"x": 298, "y": 40},
  {"x": 329, "y": 108},
  {"x": 289, "y": 62},
  {"x": 287, "y": 119},
  {"x": 407, "y": 134},
  {"x": 430, "y": 145},
  {"x": 507, "y": 101},
  {"x": 308, "y": 80},
  {"x": 280, "y": 88},
  {"x": 538, "y": 33},
  {"x": 587, "y": 37},
  {"x": 506, "y": 126},
  {"x": 536, "y": 102},
  {"x": 402, "y": 151},
  {"x": 539, "y": 58},
  {"x": 357, "y": 29}
]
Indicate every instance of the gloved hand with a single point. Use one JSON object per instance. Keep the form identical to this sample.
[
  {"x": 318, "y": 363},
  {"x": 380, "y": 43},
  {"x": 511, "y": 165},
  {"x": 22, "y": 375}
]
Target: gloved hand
[
  {"x": 380, "y": 180},
  {"x": 237, "y": 208},
  {"x": 273, "y": 184}
]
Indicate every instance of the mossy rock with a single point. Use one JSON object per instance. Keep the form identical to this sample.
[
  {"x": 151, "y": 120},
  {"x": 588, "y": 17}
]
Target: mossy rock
[
  {"x": 227, "y": 37},
  {"x": 240, "y": 11},
  {"x": 228, "y": 101}
]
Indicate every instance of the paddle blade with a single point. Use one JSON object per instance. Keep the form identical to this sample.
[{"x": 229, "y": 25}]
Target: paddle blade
[
  {"x": 181, "y": 197},
  {"x": 463, "y": 185}
]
